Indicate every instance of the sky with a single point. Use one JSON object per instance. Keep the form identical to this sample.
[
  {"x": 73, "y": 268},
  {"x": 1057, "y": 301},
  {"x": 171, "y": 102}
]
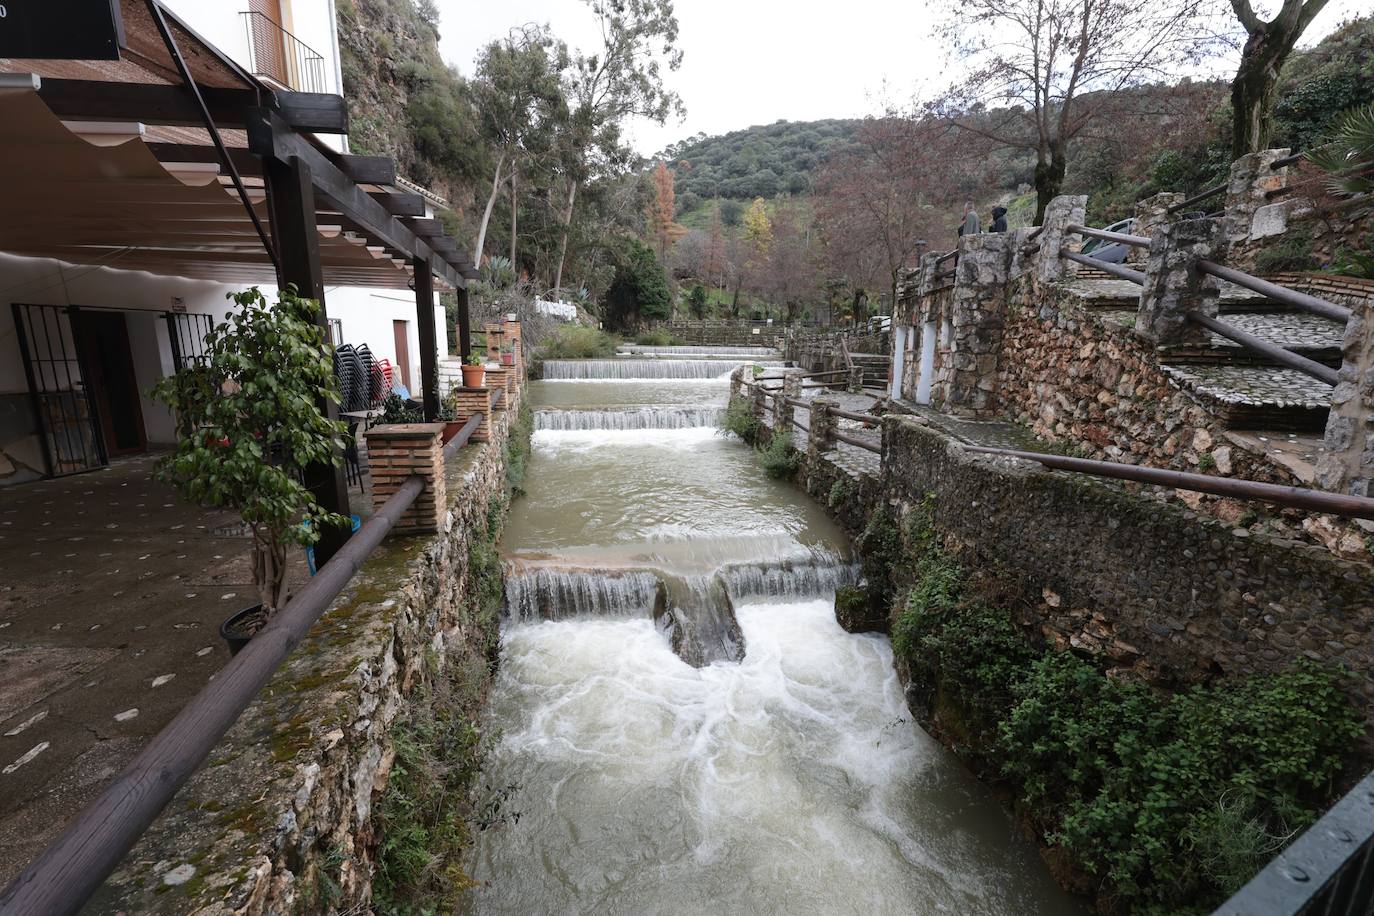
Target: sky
[{"x": 748, "y": 62}]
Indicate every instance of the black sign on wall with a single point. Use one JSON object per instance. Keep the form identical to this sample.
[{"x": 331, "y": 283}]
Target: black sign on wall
[{"x": 61, "y": 29}]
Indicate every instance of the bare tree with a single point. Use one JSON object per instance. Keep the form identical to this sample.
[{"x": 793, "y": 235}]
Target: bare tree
[
  {"x": 1267, "y": 46},
  {"x": 1034, "y": 60}
]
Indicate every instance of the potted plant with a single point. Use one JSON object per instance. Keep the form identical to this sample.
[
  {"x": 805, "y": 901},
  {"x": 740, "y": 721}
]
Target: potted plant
[
  {"x": 508, "y": 354},
  {"x": 448, "y": 415},
  {"x": 250, "y": 424},
  {"x": 474, "y": 373}
]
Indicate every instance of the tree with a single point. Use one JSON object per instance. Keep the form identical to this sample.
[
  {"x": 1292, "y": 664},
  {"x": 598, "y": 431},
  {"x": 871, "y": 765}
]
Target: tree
[
  {"x": 713, "y": 261},
  {"x": 1036, "y": 61},
  {"x": 519, "y": 97},
  {"x": 696, "y": 301},
  {"x": 639, "y": 291},
  {"x": 758, "y": 239},
  {"x": 1267, "y": 46},
  {"x": 621, "y": 80},
  {"x": 791, "y": 276},
  {"x": 662, "y": 229}
]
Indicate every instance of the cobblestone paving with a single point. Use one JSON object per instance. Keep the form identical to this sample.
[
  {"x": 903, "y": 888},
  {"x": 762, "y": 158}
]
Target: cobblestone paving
[{"x": 1256, "y": 386}]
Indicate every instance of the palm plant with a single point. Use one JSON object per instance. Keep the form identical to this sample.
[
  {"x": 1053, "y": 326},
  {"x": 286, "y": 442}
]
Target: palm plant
[{"x": 1348, "y": 161}]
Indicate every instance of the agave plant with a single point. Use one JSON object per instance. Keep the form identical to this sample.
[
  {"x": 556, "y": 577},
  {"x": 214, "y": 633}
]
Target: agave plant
[{"x": 499, "y": 272}]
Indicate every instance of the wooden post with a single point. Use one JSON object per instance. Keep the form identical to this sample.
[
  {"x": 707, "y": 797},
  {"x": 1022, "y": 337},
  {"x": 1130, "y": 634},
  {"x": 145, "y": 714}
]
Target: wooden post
[
  {"x": 429, "y": 343},
  {"x": 464, "y": 325},
  {"x": 291, "y": 204}
]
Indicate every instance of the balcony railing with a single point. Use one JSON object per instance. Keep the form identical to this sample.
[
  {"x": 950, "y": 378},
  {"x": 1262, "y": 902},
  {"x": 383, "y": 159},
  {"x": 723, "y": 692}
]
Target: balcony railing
[{"x": 280, "y": 56}]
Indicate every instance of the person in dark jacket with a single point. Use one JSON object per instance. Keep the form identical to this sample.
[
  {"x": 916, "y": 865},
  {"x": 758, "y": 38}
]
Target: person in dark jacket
[{"x": 999, "y": 219}]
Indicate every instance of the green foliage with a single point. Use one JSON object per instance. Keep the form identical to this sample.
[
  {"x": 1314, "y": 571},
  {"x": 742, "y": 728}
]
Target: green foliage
[
  {"x": 1292, "y": 252},
  {"x": 841, "y": 492},
  {"x": 396, "y": 409},
  {"x": 658, "y": 337},
  {"x": 518, "y": 449},
  {"x": 1320, "y": 83},
  {"x": 1348, "y": 159},
  {"x": 639, "y": 290},
  {"x": 577, "y": 341},
  {"x": 250, "y": 423},
  {"x": 880, "y": 550},
  {"x": 780, "y": 459},
  {"x": 740, "y": 419},
  {"x": 696, "y": 301},
  {"x": 761, "y": 161}
]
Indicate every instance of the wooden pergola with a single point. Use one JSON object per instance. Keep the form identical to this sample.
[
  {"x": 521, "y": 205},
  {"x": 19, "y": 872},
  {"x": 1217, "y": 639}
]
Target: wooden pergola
[{"x": 175, "y": 160}]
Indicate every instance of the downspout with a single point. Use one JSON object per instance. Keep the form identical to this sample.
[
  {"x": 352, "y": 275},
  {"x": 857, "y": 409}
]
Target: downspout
[{"x": 338, "y": 60}]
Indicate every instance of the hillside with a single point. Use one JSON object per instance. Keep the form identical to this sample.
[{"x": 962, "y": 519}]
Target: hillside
[{"x": 761, "y": 161}]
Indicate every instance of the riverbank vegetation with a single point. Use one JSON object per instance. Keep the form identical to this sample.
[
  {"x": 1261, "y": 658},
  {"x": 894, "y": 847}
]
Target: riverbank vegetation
[{"x": 1158, "y": 801}]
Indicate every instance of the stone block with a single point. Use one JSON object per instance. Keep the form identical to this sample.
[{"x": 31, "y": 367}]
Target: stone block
[
  {"x": 1173, "y": 284},
  {"x": 469, "y": 401},
  {"x": 395, "y": 453}
]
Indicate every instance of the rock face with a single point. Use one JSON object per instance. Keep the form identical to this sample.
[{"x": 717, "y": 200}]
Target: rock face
[
  {"x": 1347, "y": 464},
  {"x": 282, "y": 811}
]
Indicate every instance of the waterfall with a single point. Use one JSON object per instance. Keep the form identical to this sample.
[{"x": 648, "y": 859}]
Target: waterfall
[
  {"x": 763, "y": 352},
  {"x": 628, "y": 418},
  {"x": 560, "y": 594},
  {"x": 623, "y": 369},
  {"x": 788, "y": 581}
]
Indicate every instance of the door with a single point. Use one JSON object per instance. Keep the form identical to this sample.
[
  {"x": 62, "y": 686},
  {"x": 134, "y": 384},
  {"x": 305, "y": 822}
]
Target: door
[
  {"x": 103, "y": 338},
  {"x": 401, "y": 329},
  {"x": 64, "y": 411},
  {"x": 927, "y": 366}
]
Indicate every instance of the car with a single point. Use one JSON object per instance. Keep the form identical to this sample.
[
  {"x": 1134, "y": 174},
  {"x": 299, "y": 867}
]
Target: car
[{"x": 1111, "y": 252}]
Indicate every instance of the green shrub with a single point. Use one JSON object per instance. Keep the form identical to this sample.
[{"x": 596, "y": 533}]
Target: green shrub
[
  {"x": 658, "y": 337},
  {"x": 1292, "y": 252},
  {"x": 880, "y": 549},
  {"x": 779, "y": 458},
  {"x": 518, "y": 450},
  {"x": 577, "y": 341},
  {"x": 740, "y": 420},
  {"x": 841, "y": 492}
]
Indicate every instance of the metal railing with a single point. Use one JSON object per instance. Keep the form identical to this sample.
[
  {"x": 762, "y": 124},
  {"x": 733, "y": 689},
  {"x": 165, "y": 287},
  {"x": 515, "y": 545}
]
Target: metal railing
[
  {"x": 1328, "y": 870},
  {"x": 88, "y": 850},
  {"x": 1116, "y": 270},
  {"x": 280, "y": 56},
  {"x": 1278, "y": 293},
  {"x": 1278, "y": 354}
]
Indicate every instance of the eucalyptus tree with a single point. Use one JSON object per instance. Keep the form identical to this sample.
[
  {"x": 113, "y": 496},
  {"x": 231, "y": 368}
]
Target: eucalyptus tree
[
  {"x": 518, "y": 93},
  {"x": 606, "y": 87},
  {"x": 1039, "y": 69}
]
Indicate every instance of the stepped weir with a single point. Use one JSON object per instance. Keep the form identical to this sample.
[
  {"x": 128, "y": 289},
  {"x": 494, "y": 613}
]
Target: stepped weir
[{"x": 688, "y": 727}]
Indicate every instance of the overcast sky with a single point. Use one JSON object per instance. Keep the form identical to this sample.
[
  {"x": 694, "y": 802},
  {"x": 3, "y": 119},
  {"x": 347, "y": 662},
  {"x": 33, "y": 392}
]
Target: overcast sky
[{"x": 749, "y": 62}]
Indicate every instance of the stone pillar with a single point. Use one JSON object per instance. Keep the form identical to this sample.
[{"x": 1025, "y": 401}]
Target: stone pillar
[
  {"x": 791, "y": 388},
  {"x": 760, "y": 402},
  {"x": 1251, "y": 179},
  {"x": 821, "y": 437},
  {"x": 469, "y": 401},
  {"x": 978, "y": 307},
  {"x": 1150, "y": 214},
  {"x": 512, "y": 331},
  {"x": 737, "y": 382},
  {"x": 1054, "y": 240},
  {"x": 1173, "y": 284},
  {"x": 1347, "y": 461},
  {"x": 495, "y": 334},
  {"x": 395, "y": 453}
]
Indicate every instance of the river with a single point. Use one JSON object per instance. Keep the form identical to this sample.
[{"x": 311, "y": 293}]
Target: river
[{"x": 689, "y": 729}]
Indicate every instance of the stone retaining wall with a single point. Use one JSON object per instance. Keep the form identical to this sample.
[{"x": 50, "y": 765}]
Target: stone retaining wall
[
  {"x": 279, "y": 820},
  {"x": 1169, "y": 594}
]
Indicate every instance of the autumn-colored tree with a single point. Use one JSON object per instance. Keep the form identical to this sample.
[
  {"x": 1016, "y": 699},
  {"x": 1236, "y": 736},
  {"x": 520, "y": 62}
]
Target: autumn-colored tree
[
  {"x": 663, "y": 231},
  {"x": 757, "y": 239}
]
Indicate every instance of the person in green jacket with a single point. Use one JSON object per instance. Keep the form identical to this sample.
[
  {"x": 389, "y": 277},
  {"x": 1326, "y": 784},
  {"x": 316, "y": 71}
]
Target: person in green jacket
[{"x": 970, "y": 225}]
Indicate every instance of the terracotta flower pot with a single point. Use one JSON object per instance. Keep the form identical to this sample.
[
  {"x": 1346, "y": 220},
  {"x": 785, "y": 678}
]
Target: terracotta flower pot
[
  {"x": 451, "y": 428},
  {"x": 473, "y": 376},
  {"x": 508, "y": 359}
]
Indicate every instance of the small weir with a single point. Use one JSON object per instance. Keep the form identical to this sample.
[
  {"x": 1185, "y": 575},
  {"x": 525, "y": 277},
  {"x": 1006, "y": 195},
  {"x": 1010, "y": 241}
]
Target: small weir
[
  {"x": 753, "y": 352},
  {"x": 689, "y": 729},
  {"x": 621, "y": 369}
]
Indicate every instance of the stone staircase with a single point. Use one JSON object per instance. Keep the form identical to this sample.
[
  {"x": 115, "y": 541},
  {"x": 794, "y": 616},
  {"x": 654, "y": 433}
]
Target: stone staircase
[
  {"x": 1247, "y": 391},
  {"x": 875, "y": 367}
]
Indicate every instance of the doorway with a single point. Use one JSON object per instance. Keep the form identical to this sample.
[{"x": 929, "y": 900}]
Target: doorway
[
  {"x": 401, "y": 330},
  {"x": 927, "y": 366},
  {"x": 103, "y": 339}
]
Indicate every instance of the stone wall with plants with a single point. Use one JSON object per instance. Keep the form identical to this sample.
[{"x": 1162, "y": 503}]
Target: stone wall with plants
[{"x": 356, "y": 772}]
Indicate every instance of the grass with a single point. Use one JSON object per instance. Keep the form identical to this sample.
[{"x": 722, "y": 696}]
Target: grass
[
  {"x": 579, "y": 342},
  {"x": 658, "y": 337}
]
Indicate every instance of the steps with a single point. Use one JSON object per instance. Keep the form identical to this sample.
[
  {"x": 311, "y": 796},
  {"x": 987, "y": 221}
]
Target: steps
[
  {"x": 1246, "y": 390},
  {"x": 875, "y": 368}
]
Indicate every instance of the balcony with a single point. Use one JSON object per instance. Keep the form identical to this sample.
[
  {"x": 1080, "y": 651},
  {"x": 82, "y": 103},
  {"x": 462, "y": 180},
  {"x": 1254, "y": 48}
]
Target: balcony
[{"x": 281, "y": 57}]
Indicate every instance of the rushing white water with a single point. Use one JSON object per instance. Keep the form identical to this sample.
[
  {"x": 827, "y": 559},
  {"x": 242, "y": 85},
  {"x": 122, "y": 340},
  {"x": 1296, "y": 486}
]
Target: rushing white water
[
  {"x": 619, "y": 369},
  {"x": 689, "y": 729},
  {"x": 629, "y": 418}
]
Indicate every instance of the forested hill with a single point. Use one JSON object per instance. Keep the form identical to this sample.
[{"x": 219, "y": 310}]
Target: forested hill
[{"x": 762, "y": 161}]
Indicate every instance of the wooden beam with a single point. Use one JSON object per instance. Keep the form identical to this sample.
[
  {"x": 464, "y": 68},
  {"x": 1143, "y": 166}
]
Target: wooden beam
[
  {"x": 400, "y": 204},
  {"x": 378, "y": 170},
  {"x": 367, "y": 169},
  {"x": 429, "y": 227},
  {"x": 429, "y": 344},
  {"x": 97, "y": 100},
  {"x": 272, "y": 138}
]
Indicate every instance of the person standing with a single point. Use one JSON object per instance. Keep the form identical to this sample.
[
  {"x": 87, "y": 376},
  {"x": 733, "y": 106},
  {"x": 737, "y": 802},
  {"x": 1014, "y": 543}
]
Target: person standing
[
  {"x": 999, "y": 219},
  {"x": 970, "y": 225}
]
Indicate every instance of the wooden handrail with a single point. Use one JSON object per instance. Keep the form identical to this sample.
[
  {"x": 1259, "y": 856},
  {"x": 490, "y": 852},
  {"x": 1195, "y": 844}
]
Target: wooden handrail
[{"x": 1277, "y": 293}]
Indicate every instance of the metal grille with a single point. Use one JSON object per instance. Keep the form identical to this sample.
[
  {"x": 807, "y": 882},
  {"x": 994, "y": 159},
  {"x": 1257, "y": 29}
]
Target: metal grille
[
  {"x": 68, "y": 426},
  {"x": 187, "y": 334},
  {"x": 275, "y": 53}
]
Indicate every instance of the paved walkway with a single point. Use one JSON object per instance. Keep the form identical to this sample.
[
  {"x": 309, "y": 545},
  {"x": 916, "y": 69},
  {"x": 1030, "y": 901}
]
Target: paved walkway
[{"x": 110, "y": 602}]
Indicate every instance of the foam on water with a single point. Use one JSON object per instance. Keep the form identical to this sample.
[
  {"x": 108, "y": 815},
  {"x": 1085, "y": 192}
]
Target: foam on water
[
  {"x": 623, "y": 369},
  {"x": 790, "y": 782}
]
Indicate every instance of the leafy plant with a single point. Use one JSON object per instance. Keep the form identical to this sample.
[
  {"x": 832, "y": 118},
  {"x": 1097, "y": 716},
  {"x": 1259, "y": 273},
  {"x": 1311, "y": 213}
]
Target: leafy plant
[
  {"x": 658, "y": 337},
  {"x": 396, "y": 409},
  {"x": 780, "y": 459},
  {"x": 576, "y": 341},
  {"x": 740, "y": 420},
  {"x": 1348, "y": 159},
  {"x": 1292, "y": 252},
  {"x": 251, "y": 424}
]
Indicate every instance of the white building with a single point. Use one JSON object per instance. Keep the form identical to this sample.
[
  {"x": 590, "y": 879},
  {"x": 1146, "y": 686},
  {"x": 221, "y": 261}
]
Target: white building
[{"x": 95, "y": 296}]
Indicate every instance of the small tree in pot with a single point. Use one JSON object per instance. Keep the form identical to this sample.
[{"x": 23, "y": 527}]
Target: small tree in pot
[{"x": 251, "y": 424}]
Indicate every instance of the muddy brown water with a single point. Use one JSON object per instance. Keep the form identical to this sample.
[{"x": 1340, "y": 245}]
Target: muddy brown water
[{"x": 791, "y": 780}]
